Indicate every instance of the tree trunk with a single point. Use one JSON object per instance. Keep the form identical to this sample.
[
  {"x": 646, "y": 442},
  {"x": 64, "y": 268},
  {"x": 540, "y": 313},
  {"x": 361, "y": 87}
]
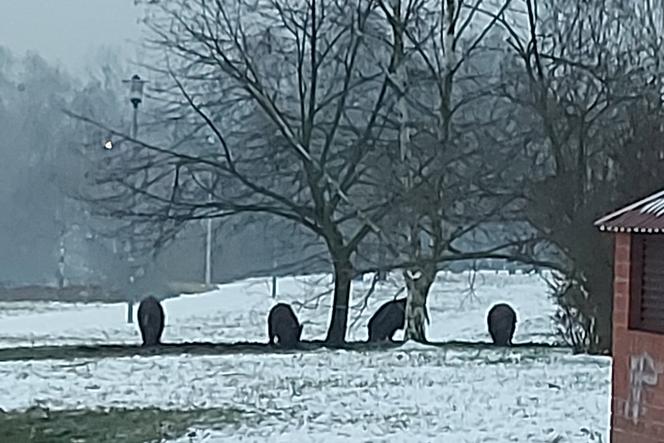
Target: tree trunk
[
  {"x": 603, "y": 330},
  {"x": 591, "y": 255},
  {"x": 600, "y": 289},
  {"x": 343, "y": 272},
  {"x": 418, "y": 282}
]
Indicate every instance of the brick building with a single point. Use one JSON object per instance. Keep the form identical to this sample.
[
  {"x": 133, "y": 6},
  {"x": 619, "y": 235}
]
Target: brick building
[{"x": 637, "y": 404}]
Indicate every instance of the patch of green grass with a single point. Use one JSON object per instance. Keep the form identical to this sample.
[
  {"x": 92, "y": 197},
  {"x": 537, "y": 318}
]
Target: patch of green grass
[{"x": 39, "y": 425}]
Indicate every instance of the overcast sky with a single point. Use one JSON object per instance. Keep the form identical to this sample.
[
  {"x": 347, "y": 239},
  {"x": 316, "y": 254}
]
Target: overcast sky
[{"x": 69, "y": 31}]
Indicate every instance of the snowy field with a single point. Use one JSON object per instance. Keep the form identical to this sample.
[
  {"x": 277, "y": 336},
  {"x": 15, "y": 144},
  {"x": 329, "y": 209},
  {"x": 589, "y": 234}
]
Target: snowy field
[
  {"x": 415, "y": 393},
  {"x": 238, "y": 312}
]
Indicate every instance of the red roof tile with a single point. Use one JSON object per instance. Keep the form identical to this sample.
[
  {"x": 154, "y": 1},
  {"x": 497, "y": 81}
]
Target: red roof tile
[{"x": 646, "y": 215}]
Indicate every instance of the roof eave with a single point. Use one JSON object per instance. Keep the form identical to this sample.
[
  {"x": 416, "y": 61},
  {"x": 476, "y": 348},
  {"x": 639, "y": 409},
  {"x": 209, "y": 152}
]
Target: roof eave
[
  {"x": 607, "y": 218},
  {"x": 630, "y": 229}
]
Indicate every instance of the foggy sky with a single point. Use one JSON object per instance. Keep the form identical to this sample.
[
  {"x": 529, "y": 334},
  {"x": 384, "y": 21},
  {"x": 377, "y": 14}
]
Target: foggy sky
[{"x": 69, "y": 32}]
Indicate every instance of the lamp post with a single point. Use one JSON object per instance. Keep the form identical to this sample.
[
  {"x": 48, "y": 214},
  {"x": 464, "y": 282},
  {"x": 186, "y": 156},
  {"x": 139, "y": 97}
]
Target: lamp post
[{"x": 136, "y": 98}]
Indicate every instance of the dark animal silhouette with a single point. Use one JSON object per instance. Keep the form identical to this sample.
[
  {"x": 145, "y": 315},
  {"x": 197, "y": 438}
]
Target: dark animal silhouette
[
  {"x": 151, "y": 321},
  {"x": 282, "y": 323},
  {"x": 387, "y": 320},
  {"x": 501, "y": 321}
]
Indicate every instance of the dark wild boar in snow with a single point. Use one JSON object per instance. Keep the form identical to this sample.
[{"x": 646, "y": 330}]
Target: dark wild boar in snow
[
  {"x": 387, "y": 320},
  {"x": 151, "y": 321},
  {"x": 501, "y": 321},
  {"x": 282, "y": 324}
]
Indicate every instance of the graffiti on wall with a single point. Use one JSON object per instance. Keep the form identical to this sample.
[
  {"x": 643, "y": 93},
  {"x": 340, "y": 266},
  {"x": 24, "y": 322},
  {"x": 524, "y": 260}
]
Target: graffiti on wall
[{"x": 643, "y": 370}]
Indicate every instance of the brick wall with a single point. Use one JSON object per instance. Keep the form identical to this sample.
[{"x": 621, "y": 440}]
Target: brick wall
[{"x": 637, "y": 406}]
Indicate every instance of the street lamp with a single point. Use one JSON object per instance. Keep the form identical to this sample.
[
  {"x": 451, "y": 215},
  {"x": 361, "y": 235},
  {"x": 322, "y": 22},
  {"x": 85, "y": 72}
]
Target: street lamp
[
  {"x": 136, "y": 85},
  {"x": 136, "y": 98}
]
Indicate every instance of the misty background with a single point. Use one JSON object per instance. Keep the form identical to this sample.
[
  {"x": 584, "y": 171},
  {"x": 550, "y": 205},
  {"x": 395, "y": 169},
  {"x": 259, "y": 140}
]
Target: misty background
[
  {"x": 76, "y": 56},
  {"x": 73, "y": 55}
]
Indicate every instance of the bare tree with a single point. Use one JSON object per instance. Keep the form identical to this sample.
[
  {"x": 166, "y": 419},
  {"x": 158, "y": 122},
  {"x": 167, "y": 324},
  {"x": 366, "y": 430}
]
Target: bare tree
[
  {"x": 294, "y": 100},
  {"x": 586, "y": 85},
  {"x": 441, "y": 163}
]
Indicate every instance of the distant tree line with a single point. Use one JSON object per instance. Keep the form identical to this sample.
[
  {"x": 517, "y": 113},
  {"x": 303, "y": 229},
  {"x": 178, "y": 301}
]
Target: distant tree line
[{"x": 48, "y": 160}]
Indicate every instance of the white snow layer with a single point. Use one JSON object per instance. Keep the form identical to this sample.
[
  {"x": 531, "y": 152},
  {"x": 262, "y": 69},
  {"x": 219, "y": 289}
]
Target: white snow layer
[{"x": 415, "y": 393}]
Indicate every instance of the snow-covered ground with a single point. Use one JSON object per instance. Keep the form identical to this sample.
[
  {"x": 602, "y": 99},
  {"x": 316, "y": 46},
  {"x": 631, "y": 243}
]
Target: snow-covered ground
[
  {"x": 415, "y": 393},
  {"x": 238, "y": 312}
]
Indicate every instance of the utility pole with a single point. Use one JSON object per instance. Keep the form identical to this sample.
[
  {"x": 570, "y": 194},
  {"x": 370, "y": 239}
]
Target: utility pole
[
  {"x": 208, "y": 230},
  {"x": 208, "y": 253},
  {"x": 61, "y": 260},
  {"x": 60, "y": 220},
  {"x": 274, "y": 266},
  {"x": 208, "y": 247}
]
